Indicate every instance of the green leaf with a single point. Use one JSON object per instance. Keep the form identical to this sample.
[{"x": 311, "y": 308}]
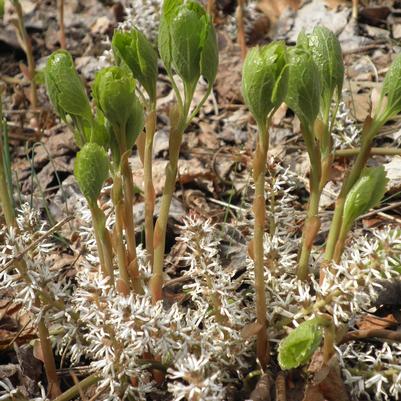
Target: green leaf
[
  {"x": 135, "y": 124},
  {"x": 366, "y": 193},
  {"x": 114, "y": 93},
  {"x": 264, "y": 79},
  {"x": 297, "y": 348},
  {"x": 326, "y": 52},
  {"x": 303, "y": 94},
  {"x": 186, "y": 33},
  {"x": 139, "y": 55},
  {"x": 392, "y": 90},
  {"x": 210, "y": 54},
  {"x": 99, "y": 132},
  {"x": 91, "y": 170},
  {"x": 187, "y": 41},
  {"x": 1, "y": 8},
  {"x": 65, "y": 89},
  {"x": 169, "y": 10}
]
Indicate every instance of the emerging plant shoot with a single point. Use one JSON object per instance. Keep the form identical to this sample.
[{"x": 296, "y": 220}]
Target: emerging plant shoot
[{"x": 264, "y": 84}]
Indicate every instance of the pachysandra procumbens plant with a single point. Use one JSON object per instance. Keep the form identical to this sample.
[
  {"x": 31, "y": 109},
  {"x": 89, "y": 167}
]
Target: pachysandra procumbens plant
[
  {"x": 188, "y": 48},
  {"x": 389, "y": 106},
  {"x": 115, "y": 127},
  {"x": 303, "y": 97},
  {"x": 133, "y": 50},
  {"x": 264, "y": 85},
  {"x": 316, "y": 75},
  {"x": 362, "y": 189}
]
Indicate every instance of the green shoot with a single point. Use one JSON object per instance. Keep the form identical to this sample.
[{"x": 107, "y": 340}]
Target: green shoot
[
  {"x": 188, "y": 47},
  {"x": 134, "y": 50},
  {"x": 264, "y": 84}
]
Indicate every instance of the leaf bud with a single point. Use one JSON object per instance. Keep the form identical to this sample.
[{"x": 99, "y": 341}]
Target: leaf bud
[{"x": 264, "y": 79}]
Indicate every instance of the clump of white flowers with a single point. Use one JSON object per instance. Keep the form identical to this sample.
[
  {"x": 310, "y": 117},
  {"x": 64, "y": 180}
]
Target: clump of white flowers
[
  {"x": 346, "y": 133},
  {"x": 197, "y": 342},
  {"x": 38, "y": 275}
]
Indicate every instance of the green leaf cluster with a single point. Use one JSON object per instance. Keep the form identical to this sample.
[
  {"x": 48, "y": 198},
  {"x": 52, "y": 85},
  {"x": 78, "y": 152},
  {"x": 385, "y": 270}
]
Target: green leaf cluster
[
  {"x": 114, "y": 94},
  {"x": 134, "y": 49},
  {"x": 91, "y": 169},
  {"x": 264, "y": 79},
  {"x": 67, "y": 94},
  {"x": 187, "y": 41},
  {"x": 297, "y": 348},
  {"x": 327, "y": 55},
  {"x": 366, "y": 193},
  {"x": 303, "y": 95}
]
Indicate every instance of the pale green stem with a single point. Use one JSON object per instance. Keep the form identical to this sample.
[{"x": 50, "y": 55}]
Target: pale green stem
[
  {"x": 312, "y": 222},
  {"x": 102, "y": 237},
  {"x": 128, "y": 189},
  {"x": 259, "y": 210},
  {"x": 159, "y": 240},
  {"x": 148, "y": 181},
  {"x": 178, "y": 121},
  {"x": 117, "y": 198},
  {"x": 129, "y": 221}
]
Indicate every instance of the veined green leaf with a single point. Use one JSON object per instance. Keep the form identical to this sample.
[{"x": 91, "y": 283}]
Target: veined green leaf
[
  {"x": 327, "y": 55},
  {"x": 64, "y": 87},
  {"x": 169, "y": 10},
  {"x": 303, "y": 94},
  {"x": 264, "y": 79},
  {"x": 297, "y": 348},
  {"x": 186, "y": 32},
  {"x": 367, "y": 192},
  {"x": 210, "y": 53},
  {"x": 91, "y": 170},
  {"x": 139, "y": 55},
  {"x": 114, "y": 93}
]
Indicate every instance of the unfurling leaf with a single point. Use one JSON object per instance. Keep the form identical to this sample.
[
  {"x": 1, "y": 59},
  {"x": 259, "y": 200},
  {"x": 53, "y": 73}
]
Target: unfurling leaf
[
  {"x": 210, "y": 54},
  {"x": 114, "y": 93},
  {"x": 367, "y": 192},
  {"x": 134, "y": 49},
  {"x": 327, "y": 55},
  {"x": 91, "y": 170},
  {"x": 303, "y": 94},
  {"x": 392, "y": 91},
  {"x": 187, "y": 41},
  {"x": 264, "y": 79},
  {"x": 297, "y": 348},
  {"x": 67, "y": 93},
  {"x": 64, "y": 87}
]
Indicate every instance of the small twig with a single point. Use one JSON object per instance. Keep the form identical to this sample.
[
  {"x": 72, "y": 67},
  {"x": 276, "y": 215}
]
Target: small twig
[
  {"x": 37, "y": 242},
  {"x": 75, "y": 390},
  {"x": 365, "y": 334},
  {"x": 229, "y": 205},
  {"x": 373, "y": 151},
  {"x": 18, "y": 334},
  {"x": 383, "y": 209}
]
